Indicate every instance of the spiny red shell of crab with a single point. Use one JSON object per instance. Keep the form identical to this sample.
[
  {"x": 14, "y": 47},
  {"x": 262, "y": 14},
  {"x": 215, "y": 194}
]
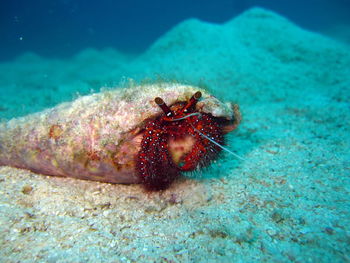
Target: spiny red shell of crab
[{"x": 155, "y": 165}]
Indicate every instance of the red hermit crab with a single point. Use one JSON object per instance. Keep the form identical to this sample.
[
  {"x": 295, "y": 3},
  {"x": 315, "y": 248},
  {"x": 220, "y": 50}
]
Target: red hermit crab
[
  {"x": 125, "y": 135},
  {"x": 181, "y": 139}
]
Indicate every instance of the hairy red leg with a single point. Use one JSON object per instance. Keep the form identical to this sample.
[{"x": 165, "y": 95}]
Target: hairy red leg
[{"x": 154, "y": 165}]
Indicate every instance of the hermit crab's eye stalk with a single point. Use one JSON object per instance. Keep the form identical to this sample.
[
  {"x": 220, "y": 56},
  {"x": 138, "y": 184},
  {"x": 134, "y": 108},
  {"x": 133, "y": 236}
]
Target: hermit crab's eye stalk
[
  {"x": 197, "y": 95},
  {"x": 163, "y": 106},
  {"x": 192, "y": 102}
]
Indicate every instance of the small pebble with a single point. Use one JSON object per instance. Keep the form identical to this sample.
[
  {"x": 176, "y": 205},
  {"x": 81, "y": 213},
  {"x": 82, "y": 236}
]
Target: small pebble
[
  {"x": 27, "y": 189},
  {"x": 271, "y": 232},
  {"x": 329, "y": 230},
  {"x": 305, "y": 230},
  {"x": 277, "y": 217}
]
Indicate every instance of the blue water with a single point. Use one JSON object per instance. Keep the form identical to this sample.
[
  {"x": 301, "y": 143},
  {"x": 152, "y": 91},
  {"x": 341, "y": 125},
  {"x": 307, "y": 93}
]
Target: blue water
[{"x": 61, "y": 28}]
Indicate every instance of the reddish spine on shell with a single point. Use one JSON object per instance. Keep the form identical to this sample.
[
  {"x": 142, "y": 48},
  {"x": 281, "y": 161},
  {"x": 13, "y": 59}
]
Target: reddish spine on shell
[{"x": 155, "y": 165}]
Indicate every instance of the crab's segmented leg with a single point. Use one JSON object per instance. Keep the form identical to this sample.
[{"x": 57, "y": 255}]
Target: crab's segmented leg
[{"x": 155, "y": 166}]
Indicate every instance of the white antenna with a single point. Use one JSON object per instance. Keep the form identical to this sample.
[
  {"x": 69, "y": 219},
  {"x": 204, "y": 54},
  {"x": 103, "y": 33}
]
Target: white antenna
[{"x": 222, "y": 147}]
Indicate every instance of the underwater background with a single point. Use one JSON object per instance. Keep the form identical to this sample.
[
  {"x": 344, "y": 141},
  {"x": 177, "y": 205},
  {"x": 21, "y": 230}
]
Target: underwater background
[
  {"x": 286, "y": 63},
  {"x": 61, "y": 28}
]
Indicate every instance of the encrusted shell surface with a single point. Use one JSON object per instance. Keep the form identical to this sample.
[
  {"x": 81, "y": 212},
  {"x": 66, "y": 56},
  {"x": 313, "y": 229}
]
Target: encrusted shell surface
[{"x": 95, "y": 137}]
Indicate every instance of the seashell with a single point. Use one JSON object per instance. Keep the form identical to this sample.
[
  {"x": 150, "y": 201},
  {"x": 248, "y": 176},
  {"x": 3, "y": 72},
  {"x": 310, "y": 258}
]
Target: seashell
[{"x": 102, "y": 136}]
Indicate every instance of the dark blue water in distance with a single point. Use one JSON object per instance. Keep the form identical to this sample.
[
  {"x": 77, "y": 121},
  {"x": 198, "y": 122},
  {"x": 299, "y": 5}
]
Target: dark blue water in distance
[{"x": 61, "y": 28}]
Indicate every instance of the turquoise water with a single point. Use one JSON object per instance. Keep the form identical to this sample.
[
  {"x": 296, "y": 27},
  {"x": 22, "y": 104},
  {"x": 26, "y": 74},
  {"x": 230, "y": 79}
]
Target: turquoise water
[{"x": 288, "y": 201}]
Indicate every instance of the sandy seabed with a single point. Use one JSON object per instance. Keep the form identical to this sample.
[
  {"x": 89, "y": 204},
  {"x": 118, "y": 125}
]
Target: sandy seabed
[{"x": 287, "y": 202}]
